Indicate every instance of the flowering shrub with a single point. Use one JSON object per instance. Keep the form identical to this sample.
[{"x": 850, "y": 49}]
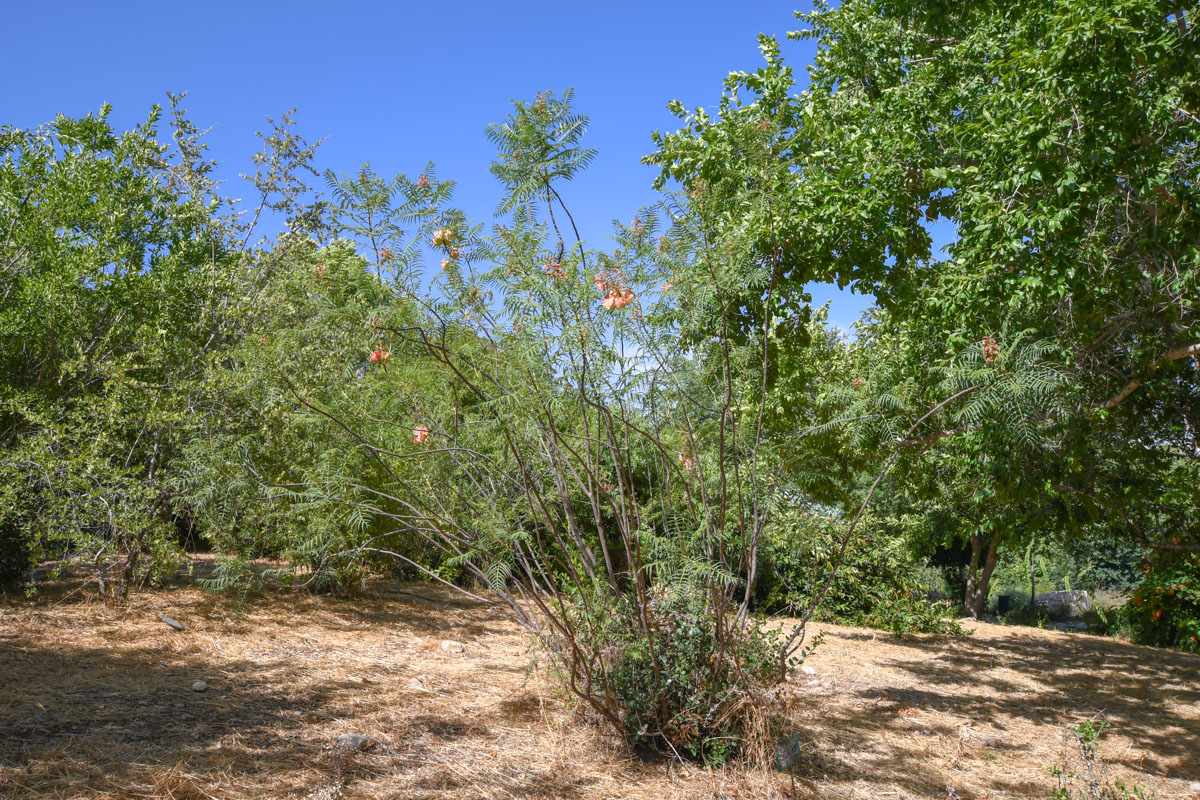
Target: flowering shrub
[{"x": 1165, "y": 609}]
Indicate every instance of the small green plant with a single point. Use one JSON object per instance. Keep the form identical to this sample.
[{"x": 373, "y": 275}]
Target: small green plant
[
  {"x": 1091, "y": 782},
  {"x": 1028, "y": 614}
]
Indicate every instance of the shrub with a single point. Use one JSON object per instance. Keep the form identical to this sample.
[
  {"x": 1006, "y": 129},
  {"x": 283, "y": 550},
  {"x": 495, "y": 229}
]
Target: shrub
[
  {"x": 1092, "y": 775},
  {"x": 1165, "y": 609},
  {"x": 878, "y": 585},
  {"x": 706, "y": 698}
]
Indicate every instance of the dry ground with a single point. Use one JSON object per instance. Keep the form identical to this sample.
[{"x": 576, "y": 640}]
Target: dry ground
[{"x": 96, "y": 702}]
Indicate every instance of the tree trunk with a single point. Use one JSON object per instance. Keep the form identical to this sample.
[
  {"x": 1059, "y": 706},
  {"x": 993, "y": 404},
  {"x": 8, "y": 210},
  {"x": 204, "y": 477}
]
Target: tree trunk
[
  {"x": 978, "y": 579},
  {"x": 1032, "y": 578}
]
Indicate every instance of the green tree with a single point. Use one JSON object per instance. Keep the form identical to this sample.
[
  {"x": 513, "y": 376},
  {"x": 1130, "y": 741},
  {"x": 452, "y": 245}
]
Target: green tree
[
  {"x": 113, "y": 270},
  {"x": 1060, "y": 139}
]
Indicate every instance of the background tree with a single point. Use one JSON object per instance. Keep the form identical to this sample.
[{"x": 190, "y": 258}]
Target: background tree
[{"x": 114, "y": 269}]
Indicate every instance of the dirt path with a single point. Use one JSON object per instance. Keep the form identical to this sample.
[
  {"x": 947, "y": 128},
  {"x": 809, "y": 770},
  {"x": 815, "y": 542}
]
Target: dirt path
[{"x": 97, "y": 702}]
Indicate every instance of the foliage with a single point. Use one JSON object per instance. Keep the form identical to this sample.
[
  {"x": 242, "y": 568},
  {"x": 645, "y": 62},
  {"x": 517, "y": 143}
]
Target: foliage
[
  {"x": 112, "y": 271},
  {"x": 119, "y": 265},
  {"x": 877, "y": 583},
  {"x": 1095, "y": 783},
  {"x": 15, "y": 557},
  {"x": 1165, "y": 608},
  {"x": 594, "y": 436},
  {"x": 707, "y": 694},
  {"x": 1059, "y": 139}
]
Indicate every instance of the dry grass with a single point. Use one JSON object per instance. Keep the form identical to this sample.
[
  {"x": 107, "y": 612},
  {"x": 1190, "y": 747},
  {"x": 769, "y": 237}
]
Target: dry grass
[{"x": 96, "y": 702}]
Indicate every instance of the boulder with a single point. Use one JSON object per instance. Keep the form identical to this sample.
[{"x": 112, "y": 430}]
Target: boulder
[{"x": 1065, "y": 605}]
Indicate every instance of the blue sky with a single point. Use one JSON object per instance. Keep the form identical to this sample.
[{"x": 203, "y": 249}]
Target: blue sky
[{"x": 399, "y": 84}]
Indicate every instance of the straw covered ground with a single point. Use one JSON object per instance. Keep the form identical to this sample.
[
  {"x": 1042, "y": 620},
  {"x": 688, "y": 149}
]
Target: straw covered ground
[{"x": 97, "y": 702}]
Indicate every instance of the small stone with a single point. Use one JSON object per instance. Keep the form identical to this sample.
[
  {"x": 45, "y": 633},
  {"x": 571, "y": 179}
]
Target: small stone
[
  {"x": 452, "y": 647},
  {"x": 199, "y": 686},
  {"x": 174, "y": 624},
  {"x": 807, "y": 670},
  {"x": 354, "y": 741},
  {"x": 1194, "y": 786}
]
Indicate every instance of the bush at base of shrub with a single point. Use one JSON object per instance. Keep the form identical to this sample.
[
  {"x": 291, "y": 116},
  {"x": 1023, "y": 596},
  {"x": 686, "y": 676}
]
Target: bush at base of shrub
[{"x": 680, "y": 690}]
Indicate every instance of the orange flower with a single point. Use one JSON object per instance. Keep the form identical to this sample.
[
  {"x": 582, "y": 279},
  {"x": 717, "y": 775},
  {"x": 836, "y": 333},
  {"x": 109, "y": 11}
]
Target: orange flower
[{"x": 617, "y": 299}]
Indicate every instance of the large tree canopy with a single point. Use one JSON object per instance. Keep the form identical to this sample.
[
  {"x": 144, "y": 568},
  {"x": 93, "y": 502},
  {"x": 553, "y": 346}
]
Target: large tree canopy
[{"x": 1060, "y": 139}]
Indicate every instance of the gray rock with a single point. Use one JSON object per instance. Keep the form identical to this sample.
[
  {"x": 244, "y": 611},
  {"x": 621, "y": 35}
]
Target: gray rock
[
  {"x": 452, "y": 647},
  {"x": 1065, "y": 605},
  {"x": 1071, "y": 625},
  {"x": 199, "y": 686},
  {"x": 354, "y": 741},
  {"x": 1002, "y": 743},
  {"x": 807, "y": 670},
  {"x": 177, "y": 626}
]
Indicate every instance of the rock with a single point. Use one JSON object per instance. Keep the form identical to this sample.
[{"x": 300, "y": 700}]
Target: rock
[
  {"x": 1194, "y": 786},
  {"x": 807, "y": 670},
  {"x": 1072, "y": 625},
  {"x": 177, "y": 626},
  {"x": 354, "y": 741},
  {"x": 1002, "y": 743},
  {"x": 1065, "y": 605},
  {"x": 452, "y": 647},
  {"x": 199, "y": 686}
]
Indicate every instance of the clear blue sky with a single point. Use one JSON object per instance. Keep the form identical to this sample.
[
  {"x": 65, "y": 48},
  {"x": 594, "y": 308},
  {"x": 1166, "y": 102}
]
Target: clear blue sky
[{"x": 400, "y": 83}]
